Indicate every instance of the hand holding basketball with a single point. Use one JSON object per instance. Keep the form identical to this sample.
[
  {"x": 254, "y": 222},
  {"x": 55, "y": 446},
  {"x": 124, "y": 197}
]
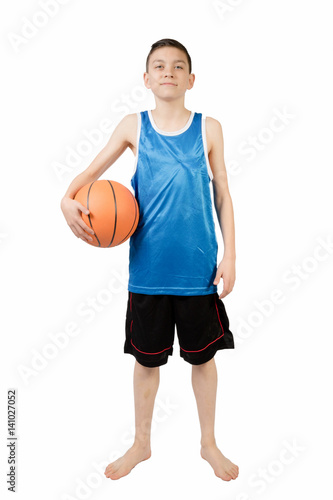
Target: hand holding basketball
[
  {"x": 113, "y": 213},
  {"x": 72, "y": 210}
]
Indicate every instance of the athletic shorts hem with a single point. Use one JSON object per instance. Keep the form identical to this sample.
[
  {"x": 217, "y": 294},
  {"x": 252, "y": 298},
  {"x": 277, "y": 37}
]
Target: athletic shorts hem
[
  {"x": 149, "y": 361},
  {"x": 207, "y": 356}
]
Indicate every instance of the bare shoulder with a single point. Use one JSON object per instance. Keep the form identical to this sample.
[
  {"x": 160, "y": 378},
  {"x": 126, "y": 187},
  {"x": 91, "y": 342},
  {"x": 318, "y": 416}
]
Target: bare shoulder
[
  {"x": 130, "y": 119},
  {"x": 128, "y": 129},
  {"x": 214, "y": 132}
]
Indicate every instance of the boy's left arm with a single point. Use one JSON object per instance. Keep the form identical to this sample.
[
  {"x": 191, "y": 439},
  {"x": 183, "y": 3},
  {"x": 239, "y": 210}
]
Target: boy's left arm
[{"x": 223, "y": 205}]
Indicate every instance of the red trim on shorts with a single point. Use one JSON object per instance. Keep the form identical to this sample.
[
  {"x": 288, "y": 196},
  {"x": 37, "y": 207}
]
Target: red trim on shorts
[
  {"x": 213, "y": 340},
  {"x": 218, "y": 316},
  {"x": 206, "y": 345},
  {"x": 149, "y": 352}
]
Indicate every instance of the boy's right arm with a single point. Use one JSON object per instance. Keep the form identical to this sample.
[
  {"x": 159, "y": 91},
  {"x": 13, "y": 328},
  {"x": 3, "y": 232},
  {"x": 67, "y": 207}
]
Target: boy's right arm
[{"x": 122, "y": 137}]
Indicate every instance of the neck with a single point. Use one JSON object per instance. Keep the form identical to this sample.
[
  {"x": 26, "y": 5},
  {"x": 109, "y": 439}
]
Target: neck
[{"x": 170, "y": 110}]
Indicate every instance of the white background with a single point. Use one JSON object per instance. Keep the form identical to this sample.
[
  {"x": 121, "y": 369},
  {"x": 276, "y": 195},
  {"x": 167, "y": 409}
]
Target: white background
[{"x": 253, "y": 60}]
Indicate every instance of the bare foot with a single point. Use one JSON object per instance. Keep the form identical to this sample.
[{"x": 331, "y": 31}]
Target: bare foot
[
  {"x": 127, "y": 462},
  {"x": 222, "y": 466}
]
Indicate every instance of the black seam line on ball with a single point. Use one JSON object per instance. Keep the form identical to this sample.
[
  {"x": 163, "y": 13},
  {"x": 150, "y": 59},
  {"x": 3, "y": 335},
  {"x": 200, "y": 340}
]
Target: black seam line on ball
[
  {"x": 115, "y": 214},
  {"x": 99, "y": 244}
]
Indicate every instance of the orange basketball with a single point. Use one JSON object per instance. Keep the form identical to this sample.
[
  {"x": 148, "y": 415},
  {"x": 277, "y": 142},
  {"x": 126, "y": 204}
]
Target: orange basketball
[{"x": 114, "y": 212}]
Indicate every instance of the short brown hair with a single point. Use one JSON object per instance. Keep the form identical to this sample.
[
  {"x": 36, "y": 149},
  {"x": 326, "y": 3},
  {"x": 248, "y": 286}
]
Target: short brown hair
[{"x": 169, "y": 42}]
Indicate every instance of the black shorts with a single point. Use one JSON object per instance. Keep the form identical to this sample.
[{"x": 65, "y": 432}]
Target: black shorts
[{"x": 201, "y": 321}]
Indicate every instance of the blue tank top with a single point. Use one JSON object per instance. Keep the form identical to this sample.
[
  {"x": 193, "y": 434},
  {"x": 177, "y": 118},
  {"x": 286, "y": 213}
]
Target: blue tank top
[{"x": 174, "y": 248}]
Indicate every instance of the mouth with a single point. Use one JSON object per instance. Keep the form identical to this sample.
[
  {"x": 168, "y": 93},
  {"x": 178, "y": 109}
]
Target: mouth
[{"x": 169, "y": 83}]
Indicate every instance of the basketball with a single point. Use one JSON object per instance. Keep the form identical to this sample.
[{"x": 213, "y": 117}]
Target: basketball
[{"x": 114, "y": 212}]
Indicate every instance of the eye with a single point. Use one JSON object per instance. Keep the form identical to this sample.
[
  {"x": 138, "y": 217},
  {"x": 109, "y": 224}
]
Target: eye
[
  {"x": 179, "y": 67},
  {"x": 160, "y": 66}
]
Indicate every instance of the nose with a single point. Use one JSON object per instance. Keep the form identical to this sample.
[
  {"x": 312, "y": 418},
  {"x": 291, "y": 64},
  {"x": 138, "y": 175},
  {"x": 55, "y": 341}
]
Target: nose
[{"x": 168, "y": 72}]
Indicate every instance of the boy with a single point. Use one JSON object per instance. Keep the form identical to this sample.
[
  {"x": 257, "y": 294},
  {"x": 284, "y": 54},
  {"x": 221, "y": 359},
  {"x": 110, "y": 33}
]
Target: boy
[{"x": 173, "y": 274}]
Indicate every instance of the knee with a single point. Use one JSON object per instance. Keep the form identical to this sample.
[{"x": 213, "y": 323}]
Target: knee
[
  {"x": 146, "y": 370},
  {"x": 208, "y": 365},
  {"x": 139, "y": 365}
]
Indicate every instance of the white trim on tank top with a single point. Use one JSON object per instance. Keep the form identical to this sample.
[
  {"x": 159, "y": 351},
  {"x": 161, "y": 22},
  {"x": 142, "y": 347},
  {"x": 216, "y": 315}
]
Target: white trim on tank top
[
  {"x": 176, "y": 132},
  {"x": 204, "y": 139},
  {"x": 138, "y": 132}
]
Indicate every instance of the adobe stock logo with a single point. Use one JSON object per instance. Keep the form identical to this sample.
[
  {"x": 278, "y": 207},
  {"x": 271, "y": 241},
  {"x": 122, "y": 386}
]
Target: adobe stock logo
[
  {"x": 75, "y": 155},
  {"x": 3, "y": 237},
  {"x": 47, "y": 354},
  {"x": 297, "y": 275},
  {"x": 31, "y": 27},
  {"x": 85, "y": 487},
  {"x": 262, "y": 139},
  {"x": 223, "y": 7},
  {"x": 265, "y": 477}
]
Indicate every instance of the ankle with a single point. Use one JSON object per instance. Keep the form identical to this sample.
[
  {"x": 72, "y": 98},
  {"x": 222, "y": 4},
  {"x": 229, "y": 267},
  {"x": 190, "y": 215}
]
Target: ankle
[
  {"x": 143, "y": 443},
  {"x": 208, "y": 442}
]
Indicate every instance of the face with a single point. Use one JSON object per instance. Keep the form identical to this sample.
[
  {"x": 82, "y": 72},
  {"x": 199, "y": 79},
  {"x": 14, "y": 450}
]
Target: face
[{"x": 168, "y": 74}]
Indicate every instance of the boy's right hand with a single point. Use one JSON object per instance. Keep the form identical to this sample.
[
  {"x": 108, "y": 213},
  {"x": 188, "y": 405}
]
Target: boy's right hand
[{"x": 72, "y": 211}]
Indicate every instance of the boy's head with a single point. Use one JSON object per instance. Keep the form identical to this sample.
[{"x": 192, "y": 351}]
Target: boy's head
[
  {"x": 168, "y": 70},
  {"x": 169, "y": 42}
]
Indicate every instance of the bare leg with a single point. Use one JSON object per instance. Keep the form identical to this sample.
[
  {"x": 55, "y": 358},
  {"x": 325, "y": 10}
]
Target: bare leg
[
  {"x": 204, "y": 382},
  {"x": 146, "y": 382}
]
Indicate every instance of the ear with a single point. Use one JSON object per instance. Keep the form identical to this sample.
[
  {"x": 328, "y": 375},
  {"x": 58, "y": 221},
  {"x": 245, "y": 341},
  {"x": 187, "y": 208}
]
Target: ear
[
  {"x": 191, "y": 80},
  {"x": 146, "y": 80}
]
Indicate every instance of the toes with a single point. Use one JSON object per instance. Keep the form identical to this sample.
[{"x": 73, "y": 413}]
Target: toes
[
  {"x": 234, "y": 474},
  {"x": 223, "y": 476},
  {"x": 231, "y": 473},
  {"x": 114, "y": 477},
  {"x": 110, "y": 470},
  {"x": 234, "y": 470}
]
